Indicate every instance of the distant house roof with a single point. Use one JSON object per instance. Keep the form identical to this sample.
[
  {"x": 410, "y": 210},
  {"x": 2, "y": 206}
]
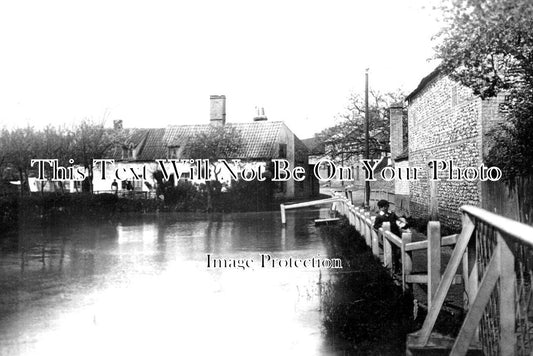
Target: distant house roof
[
  {"x": 402, "y": 156},
  {"x": 152, "y": 147},
  {"x": 383, "y": 162},
  {"x": 314, "y": 146},
  {"x": 258, "y": 137},
  {"x": 259, "y": 140},
  {"x": 423, "y": 83},
  {"x": 132, "y": 138}
]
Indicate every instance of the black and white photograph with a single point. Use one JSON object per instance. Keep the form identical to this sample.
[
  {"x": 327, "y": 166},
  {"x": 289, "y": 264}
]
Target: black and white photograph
[{"x": 266, "y": 178}]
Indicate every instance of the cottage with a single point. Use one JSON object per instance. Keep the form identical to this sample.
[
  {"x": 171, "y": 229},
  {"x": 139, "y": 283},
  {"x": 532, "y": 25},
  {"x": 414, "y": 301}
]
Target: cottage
[{"x": 262, "y": 141}]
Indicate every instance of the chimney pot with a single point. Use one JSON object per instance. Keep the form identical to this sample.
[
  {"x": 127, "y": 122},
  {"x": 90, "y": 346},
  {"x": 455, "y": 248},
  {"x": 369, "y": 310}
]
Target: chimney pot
[
  {"x": 260, "y": 115},
  {"x": 218, "y": 110}
]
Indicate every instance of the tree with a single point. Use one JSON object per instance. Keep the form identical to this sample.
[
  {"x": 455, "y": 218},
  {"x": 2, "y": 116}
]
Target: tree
[
  {"x": 346, "y": 139},
  {"x": 91, "y": 140},
  {"x": 214, "y": 143},
  {"x": 487, "y": 45},
  {"x": 52, "y": 143},
  {"x": 19, "y": 148}
]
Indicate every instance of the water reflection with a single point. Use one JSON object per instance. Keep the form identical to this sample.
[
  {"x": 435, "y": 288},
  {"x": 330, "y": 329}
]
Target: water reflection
[{"x": 142, "y": 287}]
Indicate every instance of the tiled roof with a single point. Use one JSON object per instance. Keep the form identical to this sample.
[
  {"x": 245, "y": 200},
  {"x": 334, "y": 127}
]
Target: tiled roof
[
  {"x": 314, "y": 146},
  {"x": 259, "y": 138},
  {"x": 260, "y": 141},
  {"x": 402, "y": 156},
  {"x": 423, "y": 83},
  {"x": 153, "y": 147},
  {"x": 133, "y": 136}
]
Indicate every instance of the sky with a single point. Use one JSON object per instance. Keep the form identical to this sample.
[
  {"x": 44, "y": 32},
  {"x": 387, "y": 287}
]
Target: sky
[{"x": 155, "y": 63}]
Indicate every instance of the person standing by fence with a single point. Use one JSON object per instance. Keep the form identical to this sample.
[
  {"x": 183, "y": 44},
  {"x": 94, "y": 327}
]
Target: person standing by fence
[{"x": 396, "y": 224}]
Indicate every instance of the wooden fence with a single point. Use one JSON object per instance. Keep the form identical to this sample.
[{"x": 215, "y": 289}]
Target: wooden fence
[
  {"x": 496, "y": 255},
  {"x": 132, "y": 194},
  {"x": 383, "y": 242}
]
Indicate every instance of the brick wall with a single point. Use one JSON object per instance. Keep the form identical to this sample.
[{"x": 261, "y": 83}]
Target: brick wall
[{"x": 445, "y": 122}]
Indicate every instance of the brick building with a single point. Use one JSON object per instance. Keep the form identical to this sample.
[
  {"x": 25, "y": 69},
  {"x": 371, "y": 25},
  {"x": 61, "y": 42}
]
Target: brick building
[{"x": 445, "y": 121}]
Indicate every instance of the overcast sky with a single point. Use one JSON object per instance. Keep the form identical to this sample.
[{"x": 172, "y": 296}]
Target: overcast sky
[{"x": 155, "y": 63}]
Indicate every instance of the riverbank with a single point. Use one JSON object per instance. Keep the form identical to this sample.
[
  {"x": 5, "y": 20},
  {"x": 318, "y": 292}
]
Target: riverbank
[
  {"x": 53, "y": 207},
  {"x": 363, "y": 308}
]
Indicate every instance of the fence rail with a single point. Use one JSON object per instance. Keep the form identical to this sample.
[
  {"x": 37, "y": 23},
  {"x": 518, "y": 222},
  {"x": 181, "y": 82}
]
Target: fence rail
[
  {"x": 383, "y": 243},
  {"x": 132, "y": 194},
  {"x": 496, "y": 255}
]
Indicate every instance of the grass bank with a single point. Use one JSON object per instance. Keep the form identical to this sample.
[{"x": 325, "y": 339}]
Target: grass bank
[{"x": 364, "y": 310}]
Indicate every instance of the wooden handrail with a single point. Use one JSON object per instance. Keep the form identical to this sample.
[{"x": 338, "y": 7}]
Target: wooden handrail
[
  {"x": 423, "y": 245},
  {"x": 509, "y": 227},
  {"x": 500, "y": 268},
  {"x": 392, "y": 238}
]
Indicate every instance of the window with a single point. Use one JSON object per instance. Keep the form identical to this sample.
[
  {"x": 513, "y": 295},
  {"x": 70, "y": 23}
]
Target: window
[
  {"x": 282, "y": 150},
  {"x": 173, "y": 151},
  {"x": 127, "y": 152}
]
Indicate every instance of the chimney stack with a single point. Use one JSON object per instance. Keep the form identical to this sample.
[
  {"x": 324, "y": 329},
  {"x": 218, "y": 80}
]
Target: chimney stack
[
  {"x": 260, "y": 114},
  {"x": 218, "y": 110},
  {"x": 396, "y": 130},
  {"x": 117, "y": 124}
]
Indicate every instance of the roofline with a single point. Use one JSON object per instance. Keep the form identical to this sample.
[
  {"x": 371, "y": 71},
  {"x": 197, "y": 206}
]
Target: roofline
[
  {"x": 428, "y": 78},
  {"x": 400, "y": 159},
  {"x": 229, "y": 123}
]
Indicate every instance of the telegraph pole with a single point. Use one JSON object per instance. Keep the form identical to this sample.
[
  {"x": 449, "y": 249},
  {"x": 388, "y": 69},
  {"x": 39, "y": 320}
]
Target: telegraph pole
[{"x": 367, "y": 139}]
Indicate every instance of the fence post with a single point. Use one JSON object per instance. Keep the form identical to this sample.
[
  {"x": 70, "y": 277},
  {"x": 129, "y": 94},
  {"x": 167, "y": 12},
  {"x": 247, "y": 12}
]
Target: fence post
[
  {"x": 282, "y": 208},
  {"x": 387, "y": 248},
  {"x": 374, "y": 240},
  {"x": 434, "y": 256},
  {"x": 407, "y": 259},
  {"x": 370, "y": 237},
  {"x": 366, "y": 228}
]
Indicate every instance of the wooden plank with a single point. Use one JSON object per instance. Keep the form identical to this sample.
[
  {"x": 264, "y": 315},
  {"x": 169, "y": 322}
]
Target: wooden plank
[
  {"x": 423, "y": 279},
  {"x": 507, "y": 298},
  {"x": 462, "y": 342},
  {"x": 449, "y": 240},
  {"x": 422, "y": 245},
  {"x": 367, "y": 225},
  {"x": 466, "y": 293},
  {"x": 407, "y": 259},
  {"x": 311, "y": 203},
  {"x": 419, "y": 245},
  {"x": 371, "y": 235},
  {"x": 434, "y": 259},
  {"x": 387, "y": 248},
  {"x": 393, "y": 238},
  {"x": 446, "y": 281},
  {"x": 326, "y": 221},
  {"x": 510, "y": 227},
  {"x": 375, "y": 242}
]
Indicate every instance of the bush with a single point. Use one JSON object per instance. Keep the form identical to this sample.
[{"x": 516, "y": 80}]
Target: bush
[
  {"x": 185, "y": 197},
  {"x": 246, "y": 196}
]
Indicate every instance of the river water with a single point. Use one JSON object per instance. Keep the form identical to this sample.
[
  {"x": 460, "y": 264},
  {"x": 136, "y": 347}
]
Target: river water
[{"x": 142, "y": 287}]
